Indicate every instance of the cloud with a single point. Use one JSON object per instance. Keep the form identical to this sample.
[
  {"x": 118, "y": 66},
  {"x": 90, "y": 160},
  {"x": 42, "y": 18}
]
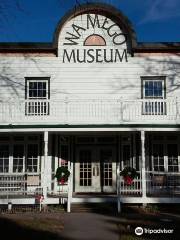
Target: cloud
[{"x": 161, "y": 10}]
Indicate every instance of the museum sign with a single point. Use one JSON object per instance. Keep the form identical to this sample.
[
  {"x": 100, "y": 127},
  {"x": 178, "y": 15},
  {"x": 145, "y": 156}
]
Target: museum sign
[{"x": 92, "y": 38}]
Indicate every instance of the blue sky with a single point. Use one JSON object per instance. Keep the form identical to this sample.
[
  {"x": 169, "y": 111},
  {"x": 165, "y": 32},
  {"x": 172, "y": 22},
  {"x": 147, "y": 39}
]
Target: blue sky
[{"x": 36, "y": 20}]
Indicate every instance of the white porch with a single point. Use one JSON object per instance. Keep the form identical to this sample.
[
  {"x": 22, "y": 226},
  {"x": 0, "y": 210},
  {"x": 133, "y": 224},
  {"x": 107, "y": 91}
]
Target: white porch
[{"x": 28, "y": 176}]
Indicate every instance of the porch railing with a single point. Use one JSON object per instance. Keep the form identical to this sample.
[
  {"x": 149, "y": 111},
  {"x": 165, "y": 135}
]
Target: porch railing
[
  {"x": 162, "y": 184},
  {"x": 37, "y": 108},
  {"x": 20, "y": 184},
  {"x": 154, "y": 107},
  {"x": 56, "y": 188},
  {"x": 158, "y": 184},
  {"x": 134, "y": 189},
  {"x": 90, "y": 111},
  {"x": 63, "y": 191}
]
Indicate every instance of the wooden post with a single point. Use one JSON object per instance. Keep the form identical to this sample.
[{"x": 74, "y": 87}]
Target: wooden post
[
  {"x": 49, "y": 162},
  {"x": 118, "y": 189},
  {"x": 56, "y": 159},
  {"x": 134, "y": 150},
  {"x": 11, "y": 155},
  {"x": 70, "y": 180},
  {"x": 45, "y": 170},
  {"x": 143, "y": 165},
  {"x": 69, "y": 200}
]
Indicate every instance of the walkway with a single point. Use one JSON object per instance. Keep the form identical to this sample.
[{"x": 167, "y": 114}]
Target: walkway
[{"x": 90, "y": 226}]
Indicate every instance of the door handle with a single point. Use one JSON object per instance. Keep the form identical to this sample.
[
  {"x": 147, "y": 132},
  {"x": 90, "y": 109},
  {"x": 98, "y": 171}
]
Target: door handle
[
  {"x": 97, "y": 170},
  {"x": 94, "y": 171}
]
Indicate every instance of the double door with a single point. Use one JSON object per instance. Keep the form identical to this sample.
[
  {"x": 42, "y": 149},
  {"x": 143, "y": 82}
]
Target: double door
[{"x": 95, "y": 169}]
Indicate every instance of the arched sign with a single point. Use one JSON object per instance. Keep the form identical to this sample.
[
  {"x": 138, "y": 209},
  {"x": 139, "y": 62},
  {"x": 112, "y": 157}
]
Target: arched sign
[{"x": 92, "y": 38}]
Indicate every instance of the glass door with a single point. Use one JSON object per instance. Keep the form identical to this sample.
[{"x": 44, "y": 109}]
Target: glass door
[
  {"x": 95, "y": 169},
  {"x": 108, "y": 169},
  {"x": 87, "y": 170}
]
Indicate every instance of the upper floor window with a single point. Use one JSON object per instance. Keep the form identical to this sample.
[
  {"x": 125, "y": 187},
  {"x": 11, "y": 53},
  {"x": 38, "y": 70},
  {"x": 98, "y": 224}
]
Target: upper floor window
[
  {"x": 37, "y": 93},
  {"x": 37, "y": 88},
  {"x": 4, "y": 158},
  {"x": 153, "y": 87},
  {"x": 154, "y": 92}
]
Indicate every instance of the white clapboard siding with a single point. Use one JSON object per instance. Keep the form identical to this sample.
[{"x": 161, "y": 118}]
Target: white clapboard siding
[
  {"x": 94, "y": 86},
  {"x": 120, "y": 79}
]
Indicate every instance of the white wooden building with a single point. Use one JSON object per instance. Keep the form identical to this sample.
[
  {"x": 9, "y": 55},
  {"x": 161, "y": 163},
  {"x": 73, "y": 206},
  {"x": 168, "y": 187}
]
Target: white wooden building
[{"x": 94, "y": 100}]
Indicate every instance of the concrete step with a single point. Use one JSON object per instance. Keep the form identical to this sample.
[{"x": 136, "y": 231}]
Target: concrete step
[
  {"x": 94, "y": 199},
  {"x": 94, "y": 207}
]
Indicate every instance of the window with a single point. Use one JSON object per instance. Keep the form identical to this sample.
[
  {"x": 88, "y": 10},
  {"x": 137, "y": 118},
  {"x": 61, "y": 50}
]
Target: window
[
  {"x": 85, "y": 177},
  {"x": 165, "y": 157},
  {"x": 18, "y": 158},
  {"x": 37, "y": 88},
  {"x": 153, "y": 93},
  {"x": 4, "y": 158},
  {"x": 158, "y": 157},
  {"x": 32, "y": 158},
  {"x": 172, "y": 153},
  {"x": 106, "y": 160},
  {"x": 37, "y": 94},
  {"x": 153, "y": 87},
  {"x": 64, "y": 154}
]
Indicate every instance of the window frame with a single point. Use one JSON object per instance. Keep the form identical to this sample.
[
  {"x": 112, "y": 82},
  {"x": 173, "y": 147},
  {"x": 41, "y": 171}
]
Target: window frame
[
  {"x": 3, "y": 159},
  {"x": 153, "y": 78},
  {"x": 37, "y": 79},
  {"x": 172, "y": 158},
  {"x": 20, "y": 160},
  {"x": 156, "y": 160},
  {"x": 165, "y": 142},
  {"x": 32, "y": 165}
]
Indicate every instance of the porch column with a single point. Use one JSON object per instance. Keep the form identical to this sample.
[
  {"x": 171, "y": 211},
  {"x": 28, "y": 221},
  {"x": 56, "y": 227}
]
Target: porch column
[
  {"x": 56, "y": 164},
  {"x": 45, "y": 170},
  {"x": 70, "y": 180},
  {"x": 143, "y": 165}
]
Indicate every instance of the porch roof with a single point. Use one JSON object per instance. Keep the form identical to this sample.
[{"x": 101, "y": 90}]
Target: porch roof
[{"x": 89, "y": 128}]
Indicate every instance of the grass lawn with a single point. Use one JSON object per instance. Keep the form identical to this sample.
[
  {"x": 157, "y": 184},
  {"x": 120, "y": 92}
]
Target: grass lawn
[
  {"x": 151, "y": 217},
  {"x": 28, "y": 226}
]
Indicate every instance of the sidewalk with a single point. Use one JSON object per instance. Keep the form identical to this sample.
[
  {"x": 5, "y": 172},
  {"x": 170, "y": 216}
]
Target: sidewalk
[{"x": 90, "y": 226}]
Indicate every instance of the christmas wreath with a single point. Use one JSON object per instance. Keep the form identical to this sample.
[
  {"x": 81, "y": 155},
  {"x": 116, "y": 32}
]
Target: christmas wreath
[
  {"x": 62, "y": 174},
  {"x": 129, "y": 174}
]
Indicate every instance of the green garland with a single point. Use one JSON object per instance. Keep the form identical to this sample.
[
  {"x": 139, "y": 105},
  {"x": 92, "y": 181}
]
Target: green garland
[
  {"x": 62, "y": 174},
  {"x": 129, "y": 172}
]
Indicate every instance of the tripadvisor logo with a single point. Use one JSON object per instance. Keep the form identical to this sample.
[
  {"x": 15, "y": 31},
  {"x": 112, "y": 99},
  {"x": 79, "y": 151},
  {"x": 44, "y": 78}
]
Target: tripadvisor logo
[
  {"x": 139, "y": 231},
  {"x": 94, "y": 47}
]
